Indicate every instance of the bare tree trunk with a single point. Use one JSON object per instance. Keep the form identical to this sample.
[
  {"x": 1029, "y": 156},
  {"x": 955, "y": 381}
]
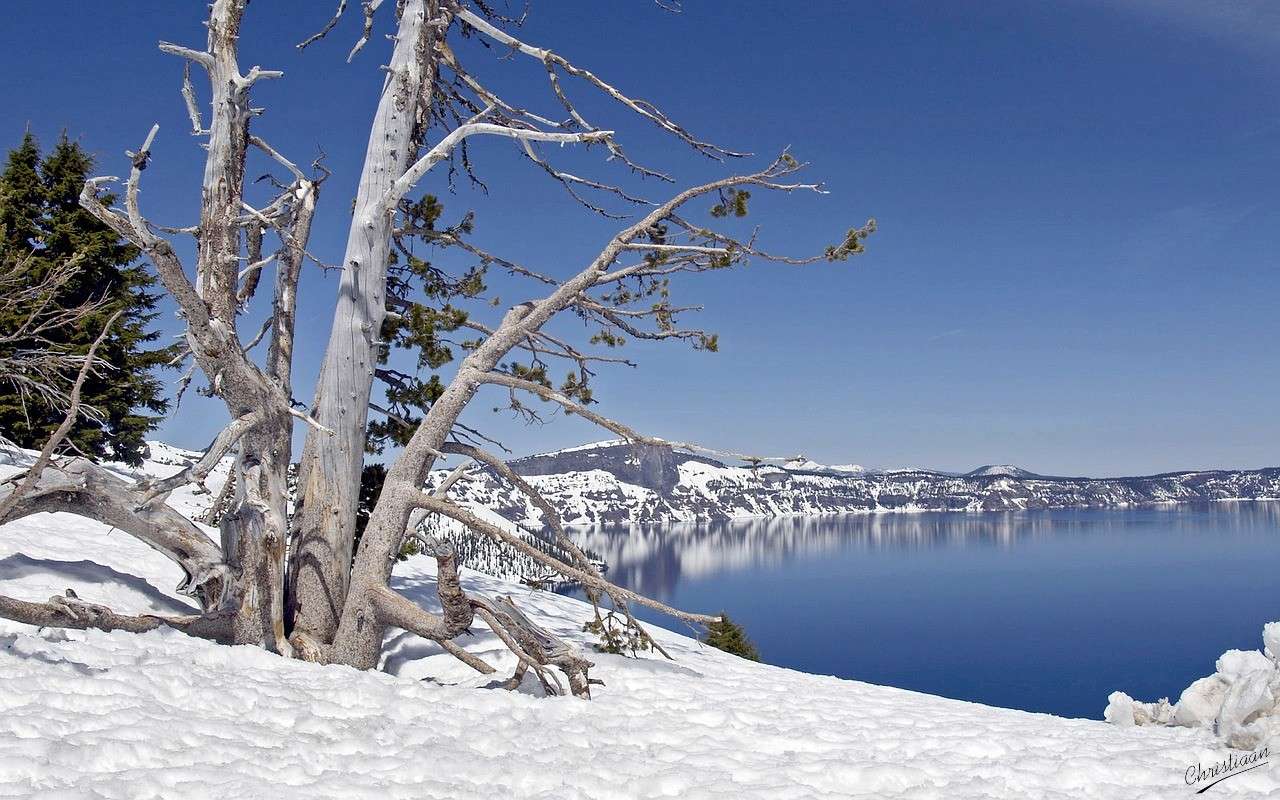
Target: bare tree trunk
[
  {"x": 329, "y": 475},
  {"x": 253, "y": 538}
]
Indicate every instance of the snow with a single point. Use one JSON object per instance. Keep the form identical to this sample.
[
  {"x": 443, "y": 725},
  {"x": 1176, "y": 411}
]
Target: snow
[
  {"x": 809, "y": 465},
  {"x": 1240, "y": 702},
  {"x": 160, "y": 715},
  {"x": 1005, "y": 470},
  {"x": 588, "y": 446}
]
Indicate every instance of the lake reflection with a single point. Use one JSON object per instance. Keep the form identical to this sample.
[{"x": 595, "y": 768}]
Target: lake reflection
[{"x": 1045, "y": 611}]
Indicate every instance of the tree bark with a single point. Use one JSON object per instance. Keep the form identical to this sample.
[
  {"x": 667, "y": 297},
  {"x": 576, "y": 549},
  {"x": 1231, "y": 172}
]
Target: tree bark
[{"x": 329, "y": 473}]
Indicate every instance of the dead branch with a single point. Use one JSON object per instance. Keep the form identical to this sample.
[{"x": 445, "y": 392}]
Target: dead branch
[
  {"x": 69, "y": 611},
  {"x": 227, "y": 438},
  {"x": 447, "y": 509},
  {"x": 551, "y": 60},
  {"x": 552, "y": 519},
  {"x": 83, "y": 488},
  {"x": 68, "y": 420}
]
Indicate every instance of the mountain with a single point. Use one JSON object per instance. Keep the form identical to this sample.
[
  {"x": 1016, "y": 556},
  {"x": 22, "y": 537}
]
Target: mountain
[
  {"x": 803, "y": 464},
  {"x": 614, "y": 482},
  {"x": 1005, "y": 470}
]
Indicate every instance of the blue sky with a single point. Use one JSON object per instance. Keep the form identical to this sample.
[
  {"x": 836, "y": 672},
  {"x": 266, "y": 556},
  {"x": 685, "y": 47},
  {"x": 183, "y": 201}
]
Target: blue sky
[{"x": 1074, "y": 269}]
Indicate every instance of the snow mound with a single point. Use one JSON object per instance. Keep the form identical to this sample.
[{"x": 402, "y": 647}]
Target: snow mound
[
  {"x": 1240, "y": 702},
  {"x": 87, "y": 714}
]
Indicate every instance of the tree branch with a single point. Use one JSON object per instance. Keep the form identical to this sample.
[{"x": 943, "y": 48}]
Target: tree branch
[
  {"x": 69, "y": 611},
  {"x": 68, "y": 420},
  {"x": 447, "y": 509}
]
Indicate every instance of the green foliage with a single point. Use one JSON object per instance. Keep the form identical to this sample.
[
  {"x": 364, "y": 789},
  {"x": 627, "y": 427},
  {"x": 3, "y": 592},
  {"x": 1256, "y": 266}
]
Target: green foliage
[
  {"x": 725, "y": 634},
  {"x": 575, "y": 388},
  {"x": 42, "y": 226},
  {"x": 372, "y": 478},
  {"x": 852, "y": 244},
  {"x": 617, "y": 635},
  {"x": 732, "y": 201},
  {"x": 419, "y": 296}
]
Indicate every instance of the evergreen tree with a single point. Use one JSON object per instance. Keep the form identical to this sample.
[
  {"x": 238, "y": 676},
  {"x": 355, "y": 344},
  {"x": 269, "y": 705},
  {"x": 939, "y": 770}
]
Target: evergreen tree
[
  {"x": 372, "y": 477},
  {"x": 43, "y": 226},
  {"x": 727, "y": 635}
]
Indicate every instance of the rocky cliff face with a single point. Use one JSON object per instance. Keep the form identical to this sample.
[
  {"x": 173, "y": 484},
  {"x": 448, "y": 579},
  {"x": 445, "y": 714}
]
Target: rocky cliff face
[{"x": 616, "y": 482}]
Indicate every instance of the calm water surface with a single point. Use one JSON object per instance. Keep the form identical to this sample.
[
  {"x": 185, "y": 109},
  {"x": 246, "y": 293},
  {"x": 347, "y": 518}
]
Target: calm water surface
[{"x": 1043, "y": 610}]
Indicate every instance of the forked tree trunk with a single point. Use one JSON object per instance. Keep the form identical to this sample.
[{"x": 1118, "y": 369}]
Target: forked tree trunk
[{"x": 329, "y": 474}]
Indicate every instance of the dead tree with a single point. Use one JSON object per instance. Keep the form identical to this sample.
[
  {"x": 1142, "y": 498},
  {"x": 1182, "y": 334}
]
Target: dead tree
[{"x": 325, "y": 603}]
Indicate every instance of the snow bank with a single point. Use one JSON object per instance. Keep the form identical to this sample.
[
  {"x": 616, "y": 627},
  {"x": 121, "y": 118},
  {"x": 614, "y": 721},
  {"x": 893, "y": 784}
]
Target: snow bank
[
  {"x": 98, "y": 715},
  {"x": 1240, "y": 702}
]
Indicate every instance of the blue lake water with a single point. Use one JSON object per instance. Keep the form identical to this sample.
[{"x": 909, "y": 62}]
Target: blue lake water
[{"x": 1040, "y": 610}]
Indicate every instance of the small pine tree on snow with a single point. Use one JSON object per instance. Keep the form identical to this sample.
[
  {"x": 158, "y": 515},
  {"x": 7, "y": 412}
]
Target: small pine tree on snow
[
  {"x": 42, "y": 226},
  {"x": 727, "y": 635}
]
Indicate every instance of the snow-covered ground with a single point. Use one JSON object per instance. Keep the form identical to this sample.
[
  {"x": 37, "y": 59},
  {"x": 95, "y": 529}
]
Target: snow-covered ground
[{"x": 160, "y": 715}]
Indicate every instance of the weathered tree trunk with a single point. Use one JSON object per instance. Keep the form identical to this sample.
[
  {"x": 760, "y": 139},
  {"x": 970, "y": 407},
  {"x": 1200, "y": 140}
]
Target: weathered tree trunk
[
  {"x": 329, "y": 474},
  {"x": 359, "y": 637},
  {"x": 254, "y": 535}
]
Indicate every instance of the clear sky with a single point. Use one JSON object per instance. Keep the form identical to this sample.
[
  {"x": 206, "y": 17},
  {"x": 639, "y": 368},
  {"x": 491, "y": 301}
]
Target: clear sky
[{"x": 1075, "y": 269}]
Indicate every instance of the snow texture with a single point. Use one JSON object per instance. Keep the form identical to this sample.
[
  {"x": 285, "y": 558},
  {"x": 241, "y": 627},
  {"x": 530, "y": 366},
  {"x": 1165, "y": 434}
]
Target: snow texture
[{"x": 160, "y": 715}]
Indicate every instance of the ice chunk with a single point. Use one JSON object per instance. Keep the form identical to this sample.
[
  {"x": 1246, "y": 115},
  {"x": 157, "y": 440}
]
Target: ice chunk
[
  {"x": 1124, "y": 711},
  {"x": 1235, "y": 664},
  {"x": 1271, "y": 639},
  {"x": 1200, "y": 702},
  {"x": 1119, "y": 710},
  {"x": 1247, "y": 700}
]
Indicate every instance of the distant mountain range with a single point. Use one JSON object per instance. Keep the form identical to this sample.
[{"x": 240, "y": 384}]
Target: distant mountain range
[{"x": 614, "y": 482}]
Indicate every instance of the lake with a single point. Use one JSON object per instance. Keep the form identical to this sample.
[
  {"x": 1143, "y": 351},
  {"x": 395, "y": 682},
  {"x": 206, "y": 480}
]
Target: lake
[{"x": 1038, "y": 610}]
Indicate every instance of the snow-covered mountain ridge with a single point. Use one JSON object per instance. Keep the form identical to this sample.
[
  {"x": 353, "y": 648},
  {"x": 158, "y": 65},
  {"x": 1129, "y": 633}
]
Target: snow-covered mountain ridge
[{"x": 616, "y": 482}]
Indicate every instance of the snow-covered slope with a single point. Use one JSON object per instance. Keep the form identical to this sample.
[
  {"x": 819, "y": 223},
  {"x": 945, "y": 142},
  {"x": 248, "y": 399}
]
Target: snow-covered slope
[
  {"x": 615, "y": 482},
  {"x": 160, "y": 715}
]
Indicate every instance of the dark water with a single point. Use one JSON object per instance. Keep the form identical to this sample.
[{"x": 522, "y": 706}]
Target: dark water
[{"x": 1043, "y": 611}]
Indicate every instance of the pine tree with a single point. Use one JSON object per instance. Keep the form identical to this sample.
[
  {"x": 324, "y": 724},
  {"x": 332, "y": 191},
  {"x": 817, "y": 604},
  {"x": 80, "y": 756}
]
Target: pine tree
[
  {"x": 44, "y": 226},
  {"x": 727, "y": 635}
]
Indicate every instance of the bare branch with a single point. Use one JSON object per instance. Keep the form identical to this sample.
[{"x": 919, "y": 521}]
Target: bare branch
[
  {"x": 259, "y": 143},
  {"x": 86, "y": 489},
  {"x": 550, "y": 59},
  {"x": 675, "y": 248},
  {"x": 311, "y": 421},
  {"x": 368, "y": 9},
  {"x": 315, "y": 37},
  {"x": 447, "y": 509},
  {"x": 213, "y": 454},
  {"x": 189, "y": 98},
  {"x": 69, "y": 611},
  {"x": 201, "y": 57},
  {"x": 68, "y": 420},
  {"x": 405, "y": 183}
]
